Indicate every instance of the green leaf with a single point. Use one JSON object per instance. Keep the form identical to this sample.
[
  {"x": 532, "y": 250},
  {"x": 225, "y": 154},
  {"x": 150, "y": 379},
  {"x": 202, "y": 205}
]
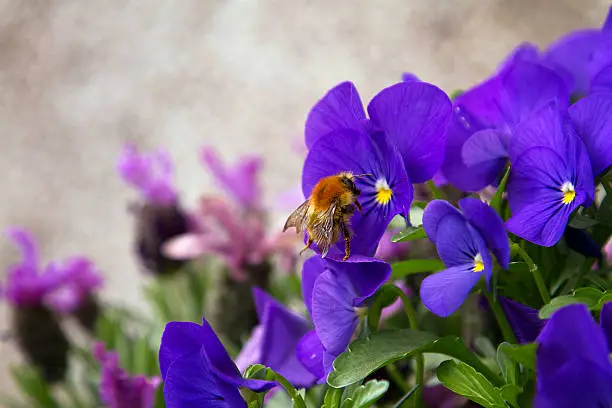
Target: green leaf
[
  {"x": 256, "y": 371},
  {"x": 582, "y": 222},
  {"x": 496, "y": 201},
  {"x": 587, "y": 296},
  {"x": 412, "y": 266},
  {"x": 365, "y": 356},
  {"x": 409, "y": 234},
  {"x": 464, "y": 380},
  {"x": 34, "y": 387},
  {"x": 510, "y": 393},
  {"x": 384, "y": 296},
  {"x": 507, "y": 365},
  {"x": 332, "y": 398},
  {"x": 523, "y": 354},
  {"x": 366, "y": 395}
]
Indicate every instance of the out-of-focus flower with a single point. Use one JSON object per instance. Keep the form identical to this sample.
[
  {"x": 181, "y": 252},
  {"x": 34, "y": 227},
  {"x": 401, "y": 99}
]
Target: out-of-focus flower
[
  {"x": 197, "y": 371},
  {"x": 396, "y": 306},
  {"x": 332, "y": 290},
  {"x": 438, "y": 396},
  {"x": 592, "y": 119},
  {"x": 485, "y": 117},
  {"x": 240, "y": 181},
  {"x": 117, "y": 388},
  {"x": 390, "y": 251},
  {"x": 607, "y": 251},
  {"x": 274, "y": 340},
  {"x": 573, "y": 364},
  {"x": 524, "y": 320},
  {"x": 149, "y": 173},
  {"x": 551, "y": 176},
  {"x": 463, "y": 240}
]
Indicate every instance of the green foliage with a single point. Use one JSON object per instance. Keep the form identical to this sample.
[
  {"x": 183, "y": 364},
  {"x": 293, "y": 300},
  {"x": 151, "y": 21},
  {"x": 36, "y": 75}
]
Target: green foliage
[
  {"x": 411, "y": 266},
  {"x": 366, "y": 395},
  {"x": 465, "y": 380},
  {"x": 409, "y": 234}
]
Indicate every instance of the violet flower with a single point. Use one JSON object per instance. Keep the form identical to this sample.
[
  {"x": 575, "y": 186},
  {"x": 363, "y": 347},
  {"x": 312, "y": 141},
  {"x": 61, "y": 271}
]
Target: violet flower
[
  {"x": 117, "y": 388},
  {"x": 149, "y": 173},
  {"x": 332, "y": 290},
  {"x": 388, "y": 251},
  {"x": 524, "y": 320},
  {"x": 274, "y": 341},
  {"x": 463, "y": 240},
  {"x": 197, "y": 371},
  {"x": 241, "y": 181},
  {"x": 551, "y": 176},
  {"x": 61, "y": 285},
  {"x": 573, "y": 363},
  {"x": 485, "y": 117}
]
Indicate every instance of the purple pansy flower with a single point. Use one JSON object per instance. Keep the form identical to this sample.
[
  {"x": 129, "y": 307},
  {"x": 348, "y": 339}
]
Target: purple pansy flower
[
  {"x": 592, "y": 119},
  {"x": 150, "y": 173},
  {"x": 274, "y": 341},
  {"x": 61, "y": 285},
  {"x": 485, "y": 117},
  {"x": 524, "y": 320},
  {"x": 573, "y": 363},
  {"x": 118, "y": 389},
  {"x": 332, "y": 290},
  {"x": 551, "y": 176},
  {"x": 198, "y": 372},
  {"x": 463, "y": 240},
  {"x": 240, "y": 181}
]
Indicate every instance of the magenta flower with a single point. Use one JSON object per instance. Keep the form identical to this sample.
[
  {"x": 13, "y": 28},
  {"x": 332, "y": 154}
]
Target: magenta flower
[
  {"x": 240, "y": 181},
  {"x": 117, "y": 388},
  {"x": 149, "y": 173},
  {"x": 61, "y": 285}
]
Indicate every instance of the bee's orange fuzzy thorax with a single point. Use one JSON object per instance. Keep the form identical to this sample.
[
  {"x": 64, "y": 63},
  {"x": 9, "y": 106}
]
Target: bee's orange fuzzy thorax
[{"x": 327, "y": 191}]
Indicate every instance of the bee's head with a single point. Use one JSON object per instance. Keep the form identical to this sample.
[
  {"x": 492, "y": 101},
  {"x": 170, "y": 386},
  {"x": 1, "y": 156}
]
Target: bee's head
[{"x": 349, "y": 182}]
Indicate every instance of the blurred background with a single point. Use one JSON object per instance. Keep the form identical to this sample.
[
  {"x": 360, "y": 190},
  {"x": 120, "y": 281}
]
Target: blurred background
[{"x": 79, "y": 79}]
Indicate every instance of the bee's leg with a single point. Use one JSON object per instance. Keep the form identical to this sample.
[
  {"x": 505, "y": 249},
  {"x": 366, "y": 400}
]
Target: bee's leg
[
  {"x": 347, "y": 240},
  {"x": 358, "y": 204},
  {"x": 308, "y": 244}
]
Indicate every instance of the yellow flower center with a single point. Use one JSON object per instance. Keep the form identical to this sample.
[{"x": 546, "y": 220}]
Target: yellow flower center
[
  {"x": 569, "y": 193},
  {"x": 478, "y": 264},
  {"x": 383, "y": 192}
]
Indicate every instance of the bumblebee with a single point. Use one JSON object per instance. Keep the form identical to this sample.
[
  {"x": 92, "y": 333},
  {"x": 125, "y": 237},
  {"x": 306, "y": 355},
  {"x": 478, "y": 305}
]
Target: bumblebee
[{"x": 327, "y": 213}]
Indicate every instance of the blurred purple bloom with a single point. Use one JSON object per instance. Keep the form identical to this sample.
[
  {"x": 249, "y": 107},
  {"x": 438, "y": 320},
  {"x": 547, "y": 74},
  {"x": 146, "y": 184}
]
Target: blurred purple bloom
[
  {"x": 573, "y": 364},
  {"x": 463, "y": 240},
  {"x": 240, "y": 181},
  {"x": 149, "y": 173},
  {"x": 274, "y": 341},
  {"x": 118, "y": 389},
  {"x": 592, "y": 119},
  {"x": 524, "y": 320},
  {"x": 332, "y": 290},
  {"x": 388, "y": 251},
  {"x": 385, "y": 188},
  {"x": 486, "y": 115},
  {"x": 551, "y": 176},
  {"x": 198, "y": 372},
  {"x": 61, "y": 285},
  {"x": 413, "y": 115}
]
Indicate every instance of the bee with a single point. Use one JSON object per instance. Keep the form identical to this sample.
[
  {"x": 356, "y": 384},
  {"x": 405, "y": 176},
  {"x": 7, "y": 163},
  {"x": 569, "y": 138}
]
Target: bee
[{"x": 327, "y": 212}]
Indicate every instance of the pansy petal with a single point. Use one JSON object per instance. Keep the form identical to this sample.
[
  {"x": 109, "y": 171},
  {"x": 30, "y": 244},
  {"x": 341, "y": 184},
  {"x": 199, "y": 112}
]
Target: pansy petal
[
  {"x": 251, "y": 351},
  {"x": 312, "y": 268},
  {"x": 524, "y": 320},
  {"x": 490, "y": 226},
  {"x": 570, "y": 333},
  {"x": 455, "y": 243},
  {"x": 190, "y": 384},
  {"x": 415, "y": 116},
  {"x": 333, "y": 314},
  {"x": 435, "y": 211},
  {"x": 592, "y": 119},
  {"x": 484, "y": 147},
  {"x": 365, "y": 275},
  {"x": 179, "y": 338},
  {"x": 572, "y": 53},
  {"x": 523, "y": 52},
  {"x": 340, "y": 108},
  {"x": 602, "y": 81},
  {"x": 443, "y": 292},
  {"x": 605, "y": 320},
  {"x": 26, "y": 243},
  {"x": 309, "y": 352},
  {"x": 479, "y": 107},
  {"x": 536, "y": 198},
  {"x": 220, "y": 361}
]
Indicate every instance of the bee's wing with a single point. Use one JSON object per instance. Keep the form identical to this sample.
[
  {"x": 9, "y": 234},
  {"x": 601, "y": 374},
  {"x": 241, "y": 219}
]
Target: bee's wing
[
  {"x": 323, "y": 229},
  {"x": 298, "y": 218}
]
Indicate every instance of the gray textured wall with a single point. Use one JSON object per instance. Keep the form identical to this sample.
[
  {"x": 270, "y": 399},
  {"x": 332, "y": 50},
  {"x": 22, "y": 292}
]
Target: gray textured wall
[{"x": 78, "y": 78}]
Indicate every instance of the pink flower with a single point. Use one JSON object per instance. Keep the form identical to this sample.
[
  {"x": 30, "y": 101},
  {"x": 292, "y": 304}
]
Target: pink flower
[
  {"x": 149, "y": 173},
  {"x": 117, "y": 388}
]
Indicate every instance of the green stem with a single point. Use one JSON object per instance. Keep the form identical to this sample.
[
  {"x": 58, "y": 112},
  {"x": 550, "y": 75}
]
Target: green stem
[
  {"x": 496, "y": 201},
  {"x": 397, "y": 378},
  {"x": 419, "y": 359},
  {"x": 501, "y": 318},
  {"x": 533, "y": 268},
  {"x": 298, "y": 402},
  {"x": 435, "y": 191}
]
